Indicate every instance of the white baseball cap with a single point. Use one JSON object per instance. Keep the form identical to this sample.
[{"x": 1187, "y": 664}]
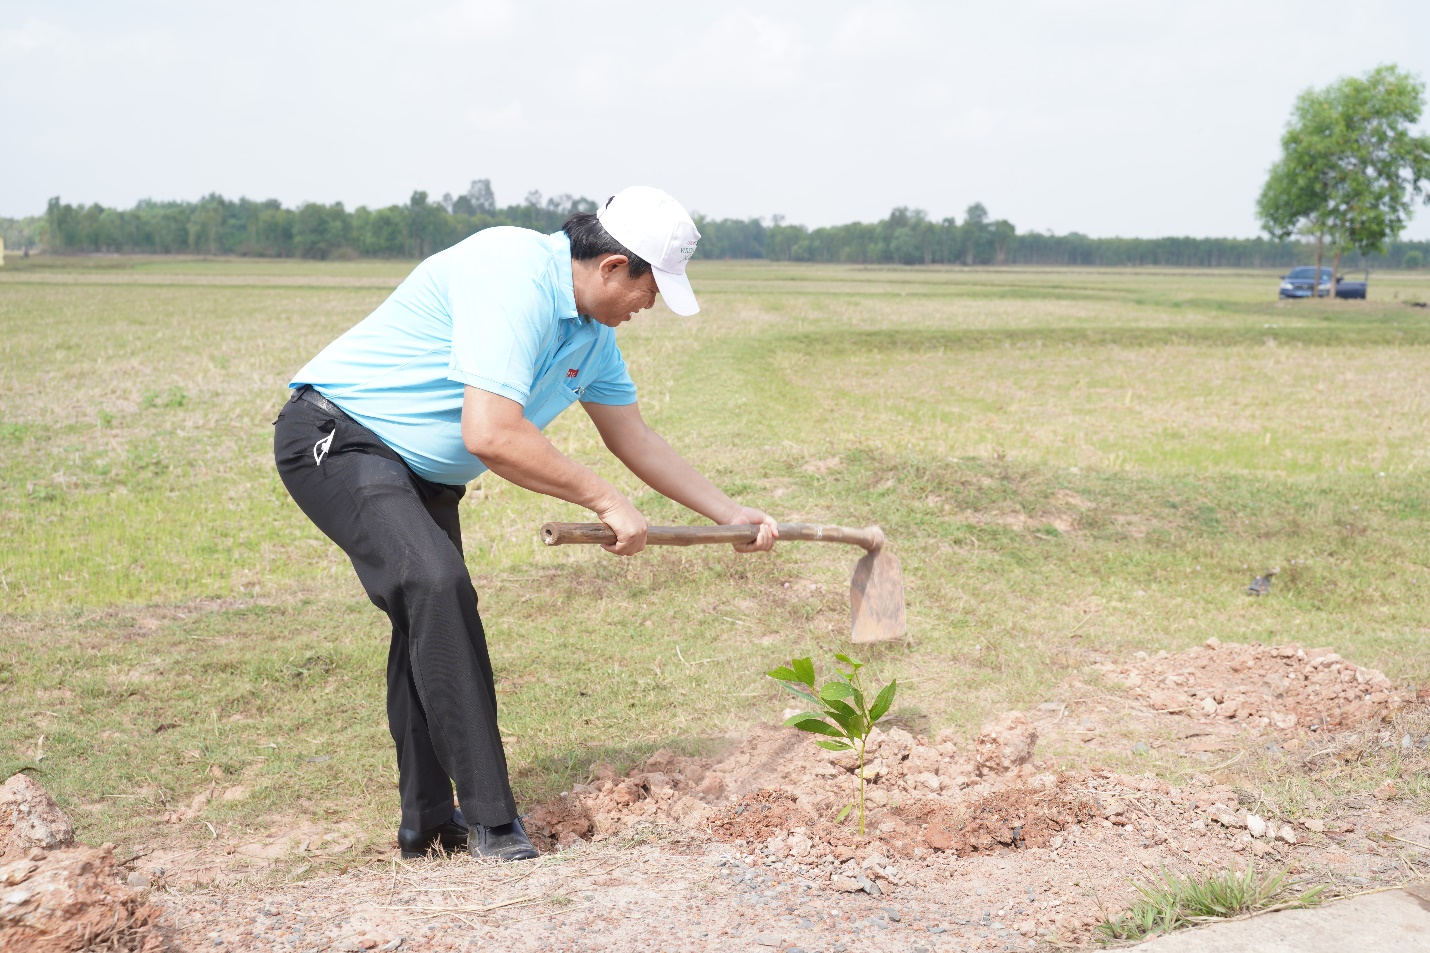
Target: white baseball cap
[{"x": 657, "y": 228}]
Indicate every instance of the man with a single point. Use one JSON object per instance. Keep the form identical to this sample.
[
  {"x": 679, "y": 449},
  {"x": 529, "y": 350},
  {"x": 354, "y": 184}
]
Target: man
[{"x": 454, "y": 374}]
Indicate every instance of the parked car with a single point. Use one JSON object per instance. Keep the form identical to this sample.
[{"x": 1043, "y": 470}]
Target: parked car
[{"x": 1298, "y": 283}]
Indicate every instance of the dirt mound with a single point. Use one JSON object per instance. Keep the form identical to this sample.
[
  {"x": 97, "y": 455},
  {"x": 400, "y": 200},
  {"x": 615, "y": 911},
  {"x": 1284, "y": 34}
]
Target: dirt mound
[
  {"x": 64, "y": 897},
  {"x": 778, "y": 799},
  {"x": 1277, "y": 688},
  {"x": 1017, "y": 817},
  {"x": 760, "y": 817},
  {"x": 779, "y": 791}
]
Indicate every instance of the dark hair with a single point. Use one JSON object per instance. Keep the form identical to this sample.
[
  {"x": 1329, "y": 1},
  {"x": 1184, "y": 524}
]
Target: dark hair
[{"x": 589, "y": 239}]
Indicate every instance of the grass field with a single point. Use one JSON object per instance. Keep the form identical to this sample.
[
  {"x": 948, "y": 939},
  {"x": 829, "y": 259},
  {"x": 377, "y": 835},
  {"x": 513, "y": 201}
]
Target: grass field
[{"x": 1071, "y": 464}]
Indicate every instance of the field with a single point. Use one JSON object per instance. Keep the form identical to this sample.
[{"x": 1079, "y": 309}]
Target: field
[{"x": 1072, "y": 466}]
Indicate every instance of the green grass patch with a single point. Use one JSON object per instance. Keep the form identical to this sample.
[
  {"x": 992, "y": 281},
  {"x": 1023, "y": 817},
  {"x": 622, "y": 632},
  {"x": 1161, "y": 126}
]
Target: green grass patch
[{"x": 1173, "y": 901}]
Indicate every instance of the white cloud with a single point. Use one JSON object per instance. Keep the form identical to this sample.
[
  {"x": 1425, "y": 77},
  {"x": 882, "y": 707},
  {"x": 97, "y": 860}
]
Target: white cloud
[
  {"x": 465, "y": 23},
  {"x": 743, "y": 49},
  {"x": 874, "y": 28},
  {"x": 35, "y": 34},
  {"x": 487, "y": 118}
]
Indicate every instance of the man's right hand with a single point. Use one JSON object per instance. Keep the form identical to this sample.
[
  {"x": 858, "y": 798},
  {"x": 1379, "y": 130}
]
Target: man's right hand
[{"x": 627, "y": 523}]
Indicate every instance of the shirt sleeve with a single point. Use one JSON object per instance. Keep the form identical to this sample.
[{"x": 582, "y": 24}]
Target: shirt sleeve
[
  {"x": 502, "y": 320},
  {"x": 612, "y": 383}
]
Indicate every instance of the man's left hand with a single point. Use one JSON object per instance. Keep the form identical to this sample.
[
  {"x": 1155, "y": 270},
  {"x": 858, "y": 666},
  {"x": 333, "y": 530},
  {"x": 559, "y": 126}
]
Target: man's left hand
[{"x": 769, "y": 530}]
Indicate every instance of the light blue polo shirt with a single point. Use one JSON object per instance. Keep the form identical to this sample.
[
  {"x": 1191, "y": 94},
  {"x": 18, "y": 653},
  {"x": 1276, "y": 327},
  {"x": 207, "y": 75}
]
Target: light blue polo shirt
[{"x": 496, "y": 311}]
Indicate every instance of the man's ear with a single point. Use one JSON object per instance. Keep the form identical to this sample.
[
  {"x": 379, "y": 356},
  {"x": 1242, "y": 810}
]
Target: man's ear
[{"x": 610, "y": 263}]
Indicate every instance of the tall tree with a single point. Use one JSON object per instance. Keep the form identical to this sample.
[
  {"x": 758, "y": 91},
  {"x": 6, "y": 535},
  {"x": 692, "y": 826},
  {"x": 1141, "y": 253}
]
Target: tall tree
[{"x": 1350, "y": 169}]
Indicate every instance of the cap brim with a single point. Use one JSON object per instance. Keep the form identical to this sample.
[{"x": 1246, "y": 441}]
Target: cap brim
[{"x": 677, "y": 293}]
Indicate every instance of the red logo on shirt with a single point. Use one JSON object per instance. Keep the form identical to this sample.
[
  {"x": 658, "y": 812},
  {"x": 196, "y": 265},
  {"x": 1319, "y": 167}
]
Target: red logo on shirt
[{"x": 571, "y": 372}]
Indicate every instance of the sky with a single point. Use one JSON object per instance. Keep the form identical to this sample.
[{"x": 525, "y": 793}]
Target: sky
[{"x": 1107, "y": 117}]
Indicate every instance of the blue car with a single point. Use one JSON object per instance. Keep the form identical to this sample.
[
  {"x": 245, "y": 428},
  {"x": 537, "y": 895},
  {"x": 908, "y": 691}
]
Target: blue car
[{"x": 1298, "y": 282}]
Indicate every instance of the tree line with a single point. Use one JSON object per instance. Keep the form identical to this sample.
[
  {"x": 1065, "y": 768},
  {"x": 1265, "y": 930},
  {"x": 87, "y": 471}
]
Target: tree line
[{"x": 215, "y": 225}]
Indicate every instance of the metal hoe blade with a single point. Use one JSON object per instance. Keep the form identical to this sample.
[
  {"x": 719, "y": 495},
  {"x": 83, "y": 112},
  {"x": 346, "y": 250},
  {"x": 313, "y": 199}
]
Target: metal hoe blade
[{"x": 876, "y": 598}]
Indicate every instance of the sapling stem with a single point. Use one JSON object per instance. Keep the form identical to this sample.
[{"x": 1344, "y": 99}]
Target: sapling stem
[{"x": 861, "y": 786}]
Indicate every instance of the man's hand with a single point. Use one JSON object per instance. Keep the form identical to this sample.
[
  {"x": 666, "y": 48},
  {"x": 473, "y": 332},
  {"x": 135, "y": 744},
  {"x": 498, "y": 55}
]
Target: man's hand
[
  {"x": 627, "y": 523},
  {"x": 769, "y": 530}
]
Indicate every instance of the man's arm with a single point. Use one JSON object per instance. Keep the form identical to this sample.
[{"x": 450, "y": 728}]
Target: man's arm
[
  {"x": 647, "y": 455},
  {"x": 494, "y": 430}
]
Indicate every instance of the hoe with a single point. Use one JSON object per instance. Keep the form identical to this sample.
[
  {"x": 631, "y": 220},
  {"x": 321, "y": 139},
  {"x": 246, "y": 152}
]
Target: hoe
[{"x": 876, "y": 590}]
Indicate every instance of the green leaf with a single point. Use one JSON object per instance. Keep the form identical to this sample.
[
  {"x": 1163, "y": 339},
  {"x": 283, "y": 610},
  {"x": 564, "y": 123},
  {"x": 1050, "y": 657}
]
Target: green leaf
[
  {"x": 817, "y": 727},
  {"x": 801, "y": 716},
  {"x": 836, "y": 745},
  {"x": 847, "y": 718},
  {"x": 804, "y": 670},
  {"x": 836, "y": 691},
  {"x": 801, "y": 693},
  {"x": 849, "y": 661},
  {"x": 844, "y": 813},
  {"x": 784, "y": 673},
  {"x": 859, "y": 703},
  {"x": 885, "y": 699}
]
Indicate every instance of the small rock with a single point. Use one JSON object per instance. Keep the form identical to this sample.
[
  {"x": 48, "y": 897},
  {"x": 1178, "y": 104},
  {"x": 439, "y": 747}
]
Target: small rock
[
  {"x": 1213, "y": 643},
  {"x": 1166, "y": 700},
  {"x": 928, "y": 780},
  {"x": 391, "y": 944},
  {"x": 1005, "y": 744},
  {"x": 1260, "y": 848},
  {"x": 16, "y": 874},
  {"x": 844, "y": 884},
  {"x": 367, "y": 943},
  {"x": 1255, "y": 826},
  {"x": 870, "y": 887},
  {"x": 1226, "y": 818},
  {"x": 767, "y": 939},
  {"x": 939, "y": 838},
  {"x": 1286, "y": 834},
  {"x": 1387, "y": 790},
  {"x": 1314, "y": 824},
  {"x": 29, "y": 817},
  {"x": 1056, "y": 841},
  {"x": 138, "y": 881}
]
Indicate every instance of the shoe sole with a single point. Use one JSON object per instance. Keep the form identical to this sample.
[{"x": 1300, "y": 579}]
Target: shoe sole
[{"x": 534, "y": 855}]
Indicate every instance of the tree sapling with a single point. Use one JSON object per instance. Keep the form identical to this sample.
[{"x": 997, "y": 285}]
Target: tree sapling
[{"x": 839, "y": 709}]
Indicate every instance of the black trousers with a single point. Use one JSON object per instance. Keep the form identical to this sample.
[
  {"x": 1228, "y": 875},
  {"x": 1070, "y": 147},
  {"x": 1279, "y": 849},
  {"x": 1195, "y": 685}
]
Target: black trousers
[{"x": 404, "y": 538}]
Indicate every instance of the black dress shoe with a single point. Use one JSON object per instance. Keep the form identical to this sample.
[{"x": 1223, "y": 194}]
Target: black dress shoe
[
  {"x": 448, "y": 836},
  {"x": 504, "y": 842}
]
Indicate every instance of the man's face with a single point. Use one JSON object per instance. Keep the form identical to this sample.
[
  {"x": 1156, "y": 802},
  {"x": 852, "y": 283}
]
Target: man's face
[{"x": 616, "y": 297}]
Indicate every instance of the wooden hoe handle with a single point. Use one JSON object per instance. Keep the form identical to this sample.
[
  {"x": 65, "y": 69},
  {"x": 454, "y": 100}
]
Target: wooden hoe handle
[{"x": 870, "y": 538}]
